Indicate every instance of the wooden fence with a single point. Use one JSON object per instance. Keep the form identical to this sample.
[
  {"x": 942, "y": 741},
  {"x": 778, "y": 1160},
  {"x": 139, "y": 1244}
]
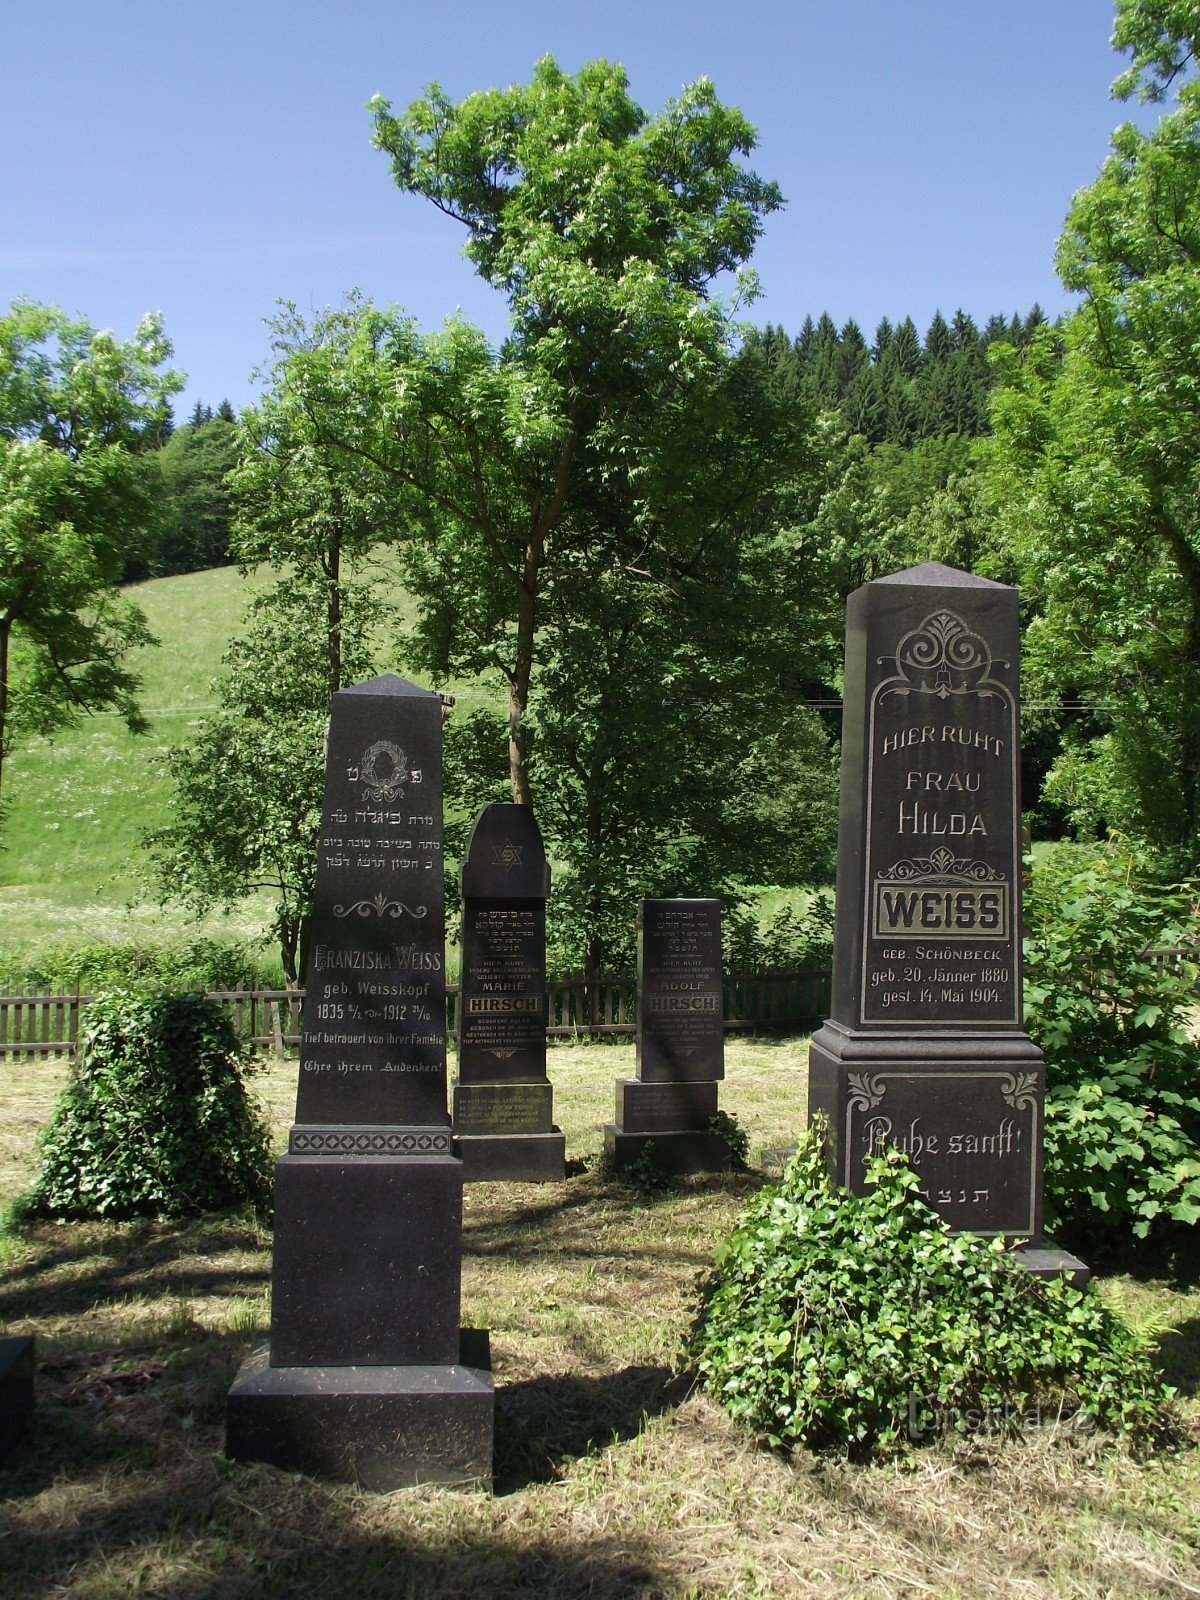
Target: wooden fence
[{"x": 269, "y": 1019}]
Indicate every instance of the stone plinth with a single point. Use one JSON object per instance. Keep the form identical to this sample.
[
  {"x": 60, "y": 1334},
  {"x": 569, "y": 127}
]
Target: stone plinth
[{"x": 16, "y": 1388}]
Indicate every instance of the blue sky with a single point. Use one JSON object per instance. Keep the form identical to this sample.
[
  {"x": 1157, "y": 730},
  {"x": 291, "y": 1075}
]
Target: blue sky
[{"x": 208, "y": 159}]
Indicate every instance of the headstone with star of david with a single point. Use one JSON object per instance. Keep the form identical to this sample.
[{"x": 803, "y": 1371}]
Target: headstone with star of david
[
  {"x": 665, "y": 1114},
  {"x": 503, "y": 1100},
  {"x": 367, "y": 1376}
]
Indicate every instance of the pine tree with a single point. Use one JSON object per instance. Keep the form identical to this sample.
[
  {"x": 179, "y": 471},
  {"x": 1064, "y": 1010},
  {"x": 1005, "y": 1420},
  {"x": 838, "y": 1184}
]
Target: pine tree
[
  {"x": 906, "y": 348},
  {"x": 225, "y": 412},
  {"x": 884, "y": 335},
  {"x": 939, "y": 345},
  {"x": 854, "y": 357},
  {"x": 964, "y": 331}
]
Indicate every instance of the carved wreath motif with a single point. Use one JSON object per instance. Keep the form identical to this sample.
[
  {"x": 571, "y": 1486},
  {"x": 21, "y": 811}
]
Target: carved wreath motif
[{"x": 389, "y": 784}]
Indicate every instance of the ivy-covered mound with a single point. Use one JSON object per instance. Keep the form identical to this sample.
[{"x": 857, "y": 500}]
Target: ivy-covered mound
[
  {"x": 155, "y": 1120},
  {"x": 833, "y": 1321}
]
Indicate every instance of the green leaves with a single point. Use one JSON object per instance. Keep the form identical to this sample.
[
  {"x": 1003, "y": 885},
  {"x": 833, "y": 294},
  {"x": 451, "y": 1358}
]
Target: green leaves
[
  {"x": 1122, "y": 1114},
  {"x": 155, "y": 1120},
  {"x": 841, "y": 1322}
]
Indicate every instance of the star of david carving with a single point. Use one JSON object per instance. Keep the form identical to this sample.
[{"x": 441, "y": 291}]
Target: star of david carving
[{"x": 507, "y": 855}]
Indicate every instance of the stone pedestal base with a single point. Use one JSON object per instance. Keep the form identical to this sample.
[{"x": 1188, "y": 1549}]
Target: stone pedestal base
[
  {"x": 382, "y": 1428},
  {"x": 966, "y": 1109},
  {"x": 505, "y": 1133},
  {"x": 368, "y": 1253},
  {"x": 1049, "y": 1261},
  {"x": 513, "y": 1157},
  {"x": 676, "y": 1151},
  {"x": 16, "y": 1389}
]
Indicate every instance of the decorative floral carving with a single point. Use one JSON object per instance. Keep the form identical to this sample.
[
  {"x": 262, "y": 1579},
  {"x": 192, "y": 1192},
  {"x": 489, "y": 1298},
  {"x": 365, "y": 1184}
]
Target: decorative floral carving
[
  {"x": 380, "y": 906},
  {"x": 1020, "y": 1090},
  {"x": 942, "y": 864},
  {"x": 943, "y": 656},
  {"x": 865, "y": 1091}
]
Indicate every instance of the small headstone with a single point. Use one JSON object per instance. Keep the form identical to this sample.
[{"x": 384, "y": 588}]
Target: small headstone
[
  {"x": 665, "y": 1114},
  {"x": 925, "y": 1050},
  {"x": 367, "y": 1377},
  {"x": 503, "y": 1101}
]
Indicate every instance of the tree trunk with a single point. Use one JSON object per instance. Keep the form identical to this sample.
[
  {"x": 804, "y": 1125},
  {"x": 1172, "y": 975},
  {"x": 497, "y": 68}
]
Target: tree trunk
[
  {"x": 1188, "y": 564},
  {"x": 333, "y": 618},
  {"x": 5, "y": 632},
  {"x": 518, "y": 695}
]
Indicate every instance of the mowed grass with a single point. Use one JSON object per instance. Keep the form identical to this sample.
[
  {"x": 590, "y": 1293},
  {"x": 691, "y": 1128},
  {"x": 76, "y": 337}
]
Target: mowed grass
[{"x": 615, "y": 1477}]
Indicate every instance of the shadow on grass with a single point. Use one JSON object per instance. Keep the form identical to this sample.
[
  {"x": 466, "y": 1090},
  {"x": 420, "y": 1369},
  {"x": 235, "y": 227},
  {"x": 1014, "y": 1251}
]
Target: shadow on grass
[
  {"x": 1177, "y": 1355},
  {"x": 1170, "y": 1256},
  {"x": 78, "y": 1266},
  {"x": 121, "y": 1483},
  {"x": 546, "y": 1422}
]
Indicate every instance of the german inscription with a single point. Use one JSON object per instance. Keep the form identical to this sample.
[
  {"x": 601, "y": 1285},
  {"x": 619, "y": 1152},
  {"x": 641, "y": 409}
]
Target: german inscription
[{"x": 939, "y": 945}]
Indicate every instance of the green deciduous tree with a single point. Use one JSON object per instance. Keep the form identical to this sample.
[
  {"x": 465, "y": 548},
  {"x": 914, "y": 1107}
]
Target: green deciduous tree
[
  {"x": 79, "y": 497},
  {"x": 248, "y": 786},
  {"x": 605, "y": 228},
  {"x": 1095, "y": 470}
]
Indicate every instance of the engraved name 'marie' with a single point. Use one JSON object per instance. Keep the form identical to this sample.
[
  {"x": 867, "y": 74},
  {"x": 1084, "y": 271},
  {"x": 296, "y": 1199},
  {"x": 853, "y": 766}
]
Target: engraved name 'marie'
[{"x": 947, "y": 733}]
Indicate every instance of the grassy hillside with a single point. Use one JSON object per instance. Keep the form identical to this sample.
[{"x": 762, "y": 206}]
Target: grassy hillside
[{"x": 71, "y": 862}]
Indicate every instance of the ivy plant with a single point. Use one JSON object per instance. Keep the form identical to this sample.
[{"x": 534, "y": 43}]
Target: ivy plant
[
  {"x": 858, "y": 1323},
  {"x": 155, "y": 1119}
]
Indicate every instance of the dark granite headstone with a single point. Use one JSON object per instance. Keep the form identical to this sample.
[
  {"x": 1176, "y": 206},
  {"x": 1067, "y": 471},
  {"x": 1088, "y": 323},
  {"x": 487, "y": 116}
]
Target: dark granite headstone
[
  {"x": 503, "y": 1100},
  {"x": 925, "y": 1050},
  {"x": 16, "y": 1388},
  {"x": 363, "y": 1379},
  {"x": 668, "y": 1109}
]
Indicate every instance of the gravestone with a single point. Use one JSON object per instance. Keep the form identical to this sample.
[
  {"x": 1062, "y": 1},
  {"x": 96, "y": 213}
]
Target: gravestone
[
  {"x": 665, "y": 1114},
  {"x": 16, "y": 1388},
  {"x": 503, "y": 1101},
  {"x": 367, "y": 1376},
  {"x": 925, "y": 1051}
]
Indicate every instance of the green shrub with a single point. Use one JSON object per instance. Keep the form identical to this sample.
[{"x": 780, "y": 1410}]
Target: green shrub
[
  {"x": 858, "y": 1323},
  {"x": 1122, "y": 1114},
  {"x": 791, "y": 938},
  {"x": 193, "y": 964},
  {"x": 155, "y": 1119}
]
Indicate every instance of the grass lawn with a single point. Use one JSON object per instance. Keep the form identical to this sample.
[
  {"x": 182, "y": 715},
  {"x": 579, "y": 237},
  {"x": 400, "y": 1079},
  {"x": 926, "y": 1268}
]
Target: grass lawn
[{"x": 614, "y": 1479}]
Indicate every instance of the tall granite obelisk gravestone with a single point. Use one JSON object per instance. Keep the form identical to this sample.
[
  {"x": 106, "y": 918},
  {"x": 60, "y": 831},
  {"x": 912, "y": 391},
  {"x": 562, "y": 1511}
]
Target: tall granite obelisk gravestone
[
  {"x": 925, "y": 1050},
  {"x": 666, "y": 1112},
  {"x": 367, "y": 1377},
  {"x": 503, "y": 1100}
]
